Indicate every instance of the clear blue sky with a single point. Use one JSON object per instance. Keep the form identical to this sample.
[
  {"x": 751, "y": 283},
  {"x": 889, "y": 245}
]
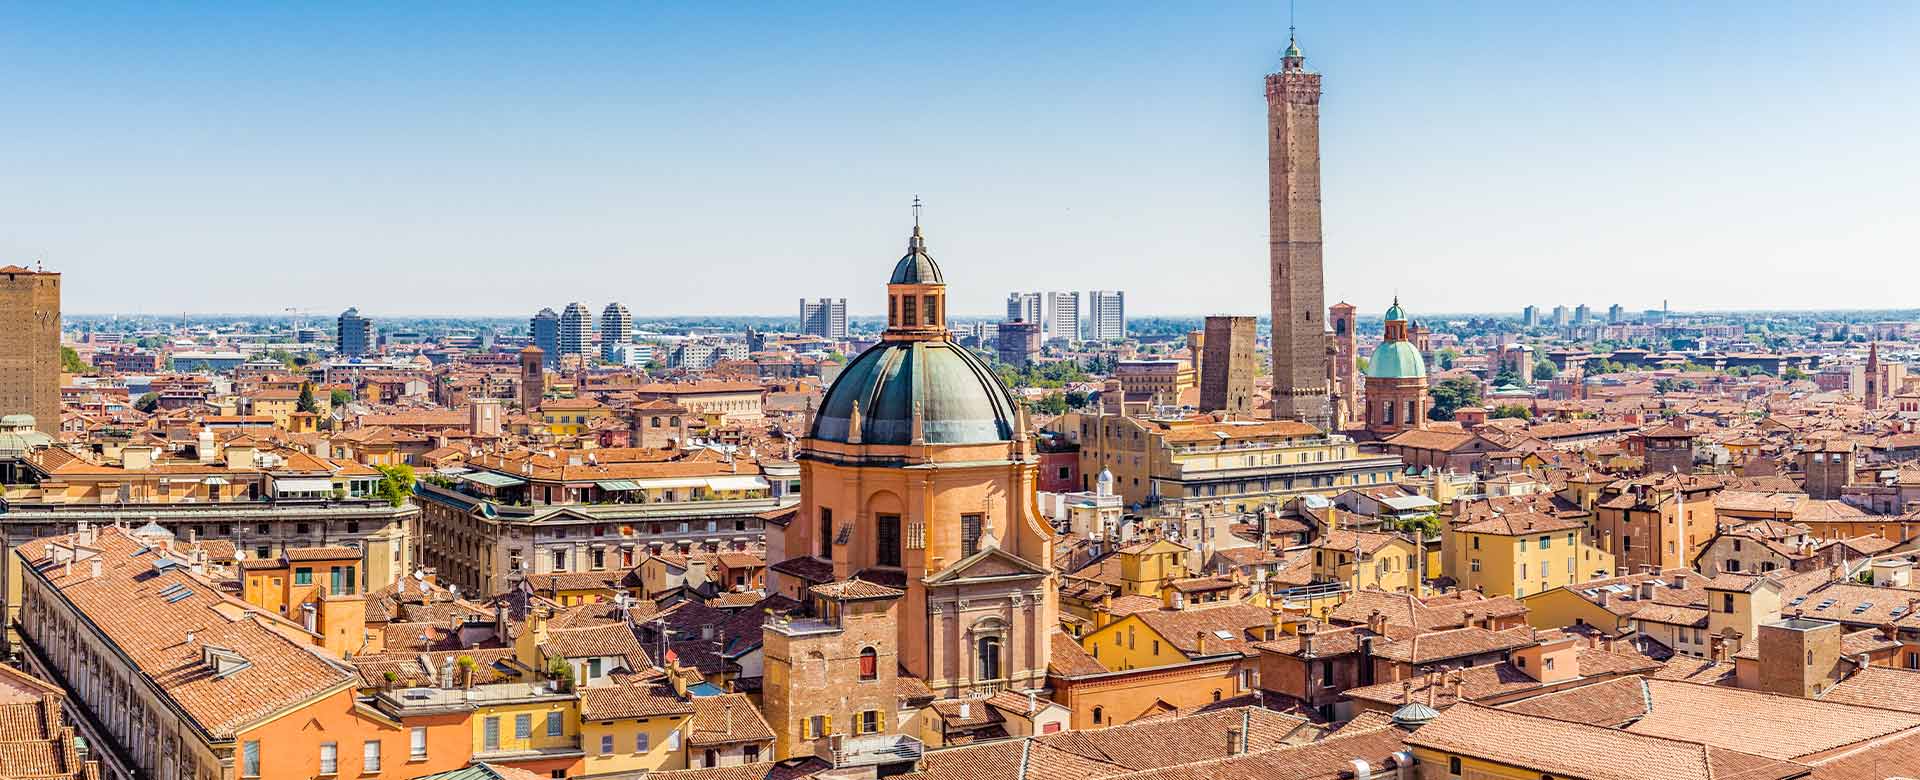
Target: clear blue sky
[{"x": 731, "y": 157}]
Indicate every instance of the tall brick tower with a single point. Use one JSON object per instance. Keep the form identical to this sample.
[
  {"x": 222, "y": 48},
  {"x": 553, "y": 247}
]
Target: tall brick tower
[
  {"x": 30, "y": 345},
  {"x": 1345, "y": 367},
  {"x": 1293, "y": 207}
]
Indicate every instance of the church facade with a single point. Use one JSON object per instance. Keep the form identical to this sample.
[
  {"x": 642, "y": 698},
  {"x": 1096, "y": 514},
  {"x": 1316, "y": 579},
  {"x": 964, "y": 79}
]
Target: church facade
[{"x": 920, "y": 476}]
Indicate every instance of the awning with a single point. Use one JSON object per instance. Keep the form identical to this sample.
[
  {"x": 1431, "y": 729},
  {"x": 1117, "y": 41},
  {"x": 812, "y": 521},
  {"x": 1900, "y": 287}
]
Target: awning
[
  {"x": 302, "y": 485},
  {"x": 738, "y": 483},
  {"x": 656, "y": 484},
  {"x": 617, "y": 484},
  {"x": 217, "y": 481},
  {"x": 491, "y": 479}
]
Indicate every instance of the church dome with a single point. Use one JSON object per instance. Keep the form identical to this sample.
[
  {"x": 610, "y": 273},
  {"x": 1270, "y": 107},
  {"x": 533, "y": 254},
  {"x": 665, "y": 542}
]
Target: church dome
[
  {"x": 1396, "y": 360},
  {"x": 1394, "y": 312},
  {"x": 916, "y": 266},
  {"x": 960, "y": 400}
]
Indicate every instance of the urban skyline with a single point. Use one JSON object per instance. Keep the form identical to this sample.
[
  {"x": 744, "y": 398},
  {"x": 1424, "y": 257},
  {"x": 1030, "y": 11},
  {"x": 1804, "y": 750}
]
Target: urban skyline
[{"x": 1096, "y": 172}]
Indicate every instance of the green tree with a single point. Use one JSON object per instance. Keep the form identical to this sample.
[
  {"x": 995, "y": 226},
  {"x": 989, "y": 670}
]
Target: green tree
[
  {"x": 1512, "y": 410},
  {"x": 340, "y": 397},
  {"x": 1077, "y": 399},
  {"x": 1445, "y": 358},
  {"x": 307, "y": 402},
  {"x": 147, "y": 402},
  {"x": 1051, "y": 403},
  {"x": 1428, "y": 525},
  {"x": 71, "y": 363},
  {"x": 396, "y": 483},
  {"x": 1793, "y": 374},
  {"x": 1544, "y": 370},
  {"x": 1506, "y": 378},
  {"x": 1453, "y": 394}
]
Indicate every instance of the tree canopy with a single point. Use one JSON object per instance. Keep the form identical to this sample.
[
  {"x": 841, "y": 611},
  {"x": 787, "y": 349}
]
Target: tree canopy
[{"x": 1451, "y": 395}]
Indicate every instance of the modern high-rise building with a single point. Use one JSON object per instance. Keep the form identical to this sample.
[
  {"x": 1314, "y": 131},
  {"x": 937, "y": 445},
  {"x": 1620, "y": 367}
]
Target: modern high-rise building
[
  {"x": 30, "y": 346},
  {"x": 1063, "y": 315},
  {"x": 1616, "y": 314},
  {"x": 1293, "y": 212},
  {"x": 546, "y": 335},
  {"x": 1226, "y": 370},
  {"x": 576, "y": 329},
  {"x": 1106, "y": 315},
  {"x": 1530, "y": 316},
  {"x": 1023, "y": 307},
  {"x": 1581, "y": 314},
  {"x": 1560, "y": 316},
  {"x": 616, "y": 332},
  {"x": 824, "y": 317},
  {"x": 355, "y": 337}
]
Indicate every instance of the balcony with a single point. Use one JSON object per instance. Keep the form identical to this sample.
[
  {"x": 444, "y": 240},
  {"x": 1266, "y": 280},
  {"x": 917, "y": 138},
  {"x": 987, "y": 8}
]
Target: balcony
[{"x": 870, "y": 750}]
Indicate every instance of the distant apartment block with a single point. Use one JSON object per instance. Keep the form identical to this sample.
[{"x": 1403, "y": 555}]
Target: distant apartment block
[
  {"x": 616, "y": 331},
  {"x": 1023, "y": 307},
  {"x": 545, "y": 328},
  {"x": 825, "y": 317},
  {"x": 1106, "y": 315},
  {"x": 576, "y": 329},
  {"x": 1063, "y": 315},
  {"x": 355, "y": 334}
]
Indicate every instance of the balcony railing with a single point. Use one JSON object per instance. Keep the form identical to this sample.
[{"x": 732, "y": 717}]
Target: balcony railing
[{"x": 870, "y": 750}]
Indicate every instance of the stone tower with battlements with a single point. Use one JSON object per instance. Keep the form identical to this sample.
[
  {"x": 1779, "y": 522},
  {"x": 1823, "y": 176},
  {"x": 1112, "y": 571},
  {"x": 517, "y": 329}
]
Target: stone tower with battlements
[{"x": 1300, "y": 373}]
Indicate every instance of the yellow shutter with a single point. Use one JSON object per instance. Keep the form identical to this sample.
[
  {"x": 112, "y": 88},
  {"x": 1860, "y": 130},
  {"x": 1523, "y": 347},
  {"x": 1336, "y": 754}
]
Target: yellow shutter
[{"x": 827, "y": 722}]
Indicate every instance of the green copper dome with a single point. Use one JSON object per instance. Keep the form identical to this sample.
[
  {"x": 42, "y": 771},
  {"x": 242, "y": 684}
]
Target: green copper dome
[
  {"x": 1396, "y": 360},
  {"x": 1394, "y": 312},
  {"x": 960, "y": 399}
]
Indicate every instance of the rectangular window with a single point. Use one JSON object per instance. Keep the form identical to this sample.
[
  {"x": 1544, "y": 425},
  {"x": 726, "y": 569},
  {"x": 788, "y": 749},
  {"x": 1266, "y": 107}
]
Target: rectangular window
[
  {"x": 673, "y": 740},
  {"x": 556, "y": 724},
  {"x": 640, "y": 743},
  {"x": 303, "y": 576},
  {"x": 523, "y": 726},
  {"x": 559, "y": 560},
  {"x": 329, "y": 758},
  {"x": 417, "y": 748},
  {"x": 491, "y": 734},
  {"x": 1545, "y": 542},
  {"x": 370, "y": 757},
  {"x": 909, "y": 310},
  {"x": 593, "y": 668},
  {"x": 250, "y": 757},
  {"x": 606, "y": 744},
  {"x": 887, "y": 545},
  {"x": 970, "y": 530},
  {"x": 826, "y": 533},
  {"x": 870, "y": 722}
]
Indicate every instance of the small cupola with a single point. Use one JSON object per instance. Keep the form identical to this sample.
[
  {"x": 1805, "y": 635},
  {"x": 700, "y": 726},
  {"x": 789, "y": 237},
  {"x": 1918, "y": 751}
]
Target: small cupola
[{"x": 916, "y": 293}]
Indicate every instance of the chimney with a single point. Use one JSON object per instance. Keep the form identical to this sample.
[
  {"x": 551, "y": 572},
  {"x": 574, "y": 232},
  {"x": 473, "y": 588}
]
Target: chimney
[
  {"x": 1680, "y": 580},
  {"x": 1233, "y": 741},
  {"x": 1646, "y": 590},
  {"x": 966, "y": 710},
  {"x": 1033, "y": 702},
  {"x": 1200, "y": 642},
  {"x": 1605, "y": 596},
  {"x": 95, "y": 565},
  {"x": 1307, "y": 631}
]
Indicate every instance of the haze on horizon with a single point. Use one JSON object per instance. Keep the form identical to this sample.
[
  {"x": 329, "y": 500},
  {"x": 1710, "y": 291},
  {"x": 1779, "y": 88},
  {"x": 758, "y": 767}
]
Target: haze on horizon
[{"x": 702, "y": 159}]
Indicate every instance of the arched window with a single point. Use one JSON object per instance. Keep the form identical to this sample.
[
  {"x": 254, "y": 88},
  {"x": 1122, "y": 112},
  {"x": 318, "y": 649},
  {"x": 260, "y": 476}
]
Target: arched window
[
  {"x": 656, "y": 421},
  {"x": 989, "y": 653},
  {"x": 1216, "y": 694},
  {"x": 869, "y": 664},
  {"x": 1098, "y": 714}
]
